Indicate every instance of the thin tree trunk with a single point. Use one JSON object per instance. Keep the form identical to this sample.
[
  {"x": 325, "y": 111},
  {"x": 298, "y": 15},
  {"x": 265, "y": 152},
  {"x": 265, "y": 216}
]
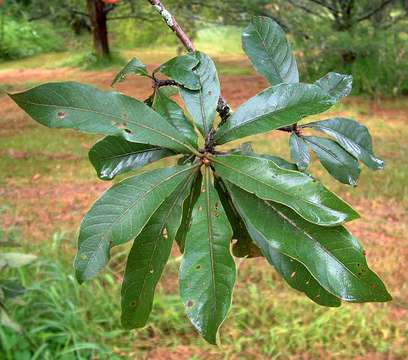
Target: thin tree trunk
[{"x": 98, "y": 15}]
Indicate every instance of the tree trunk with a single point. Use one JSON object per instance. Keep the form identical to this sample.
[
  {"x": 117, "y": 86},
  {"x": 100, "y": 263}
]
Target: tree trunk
[{"x": 98, "y": 15}]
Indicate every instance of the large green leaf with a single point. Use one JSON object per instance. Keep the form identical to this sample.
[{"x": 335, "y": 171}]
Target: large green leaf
[
  {"x": 113, "y": 156},
  {"x": 338, "y": 162},
  {"x": 148, "y": 257},
  {"x": 207, "y": 272},
  {"x": 188, "y": 206},
  {"x": 88, "y": 109},
  {"x": 353, "y": 137},
  {"x": 172, "y": 112},
  {"x": 295, "y": 274},
  {"x": 264, "y": 178},
  {"x": 121, "y": 213},
  {"x": 299, "y": 152},
  {"x": 336, "y": 85},
  {"x": 266, "y": 45},
  {"x": 275, "y": 107},
  {"x": 242, "y": 244},
  {"x": 180, "y": 69},
  {"x": 134, "y": 66},
  {"x": 331, "y": 254},
  {"x": 202, "y": 104}
]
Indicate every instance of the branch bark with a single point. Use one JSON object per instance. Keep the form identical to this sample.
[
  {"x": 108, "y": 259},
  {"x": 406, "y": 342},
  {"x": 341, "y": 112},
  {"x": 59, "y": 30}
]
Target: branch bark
[{"x": 223, "y": 108}]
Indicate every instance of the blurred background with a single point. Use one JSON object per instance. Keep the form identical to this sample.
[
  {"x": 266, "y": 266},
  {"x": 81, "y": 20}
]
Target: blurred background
[{"x": 47, "y": 183}]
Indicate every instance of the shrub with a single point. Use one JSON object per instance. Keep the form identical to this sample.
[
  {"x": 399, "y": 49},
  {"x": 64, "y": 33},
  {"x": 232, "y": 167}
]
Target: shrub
[{"x": 22, "y": 39}]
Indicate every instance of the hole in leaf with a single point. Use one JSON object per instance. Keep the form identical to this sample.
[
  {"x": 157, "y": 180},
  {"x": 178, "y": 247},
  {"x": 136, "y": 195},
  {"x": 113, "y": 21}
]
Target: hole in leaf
[
  {"x": 200, "y": 208},
  {"x": 293, "y": 274},
  {"x": 234, "y": 241},
  {"x": 128, "y": 131},
  {"x": 203, "y": 190},
  {"x": 62, "y": 115},
  {"x": 134, "y": 303},
  {"x": 317, "y": 296}
]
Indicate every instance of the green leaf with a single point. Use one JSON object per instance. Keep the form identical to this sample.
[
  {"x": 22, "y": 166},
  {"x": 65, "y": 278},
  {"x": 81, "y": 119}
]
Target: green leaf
[
  {"x": 148, "y": 257},
  {"x": 266, "y": 45},
  {"x": 207, "y": 272},
  {"x": 188, "y": 206},
  {"x": 353, "y": 137},
  {"x": 299, "y": 152},
  {"x": 303, "y": 194},
  {"x": 339, "y": 163},
  {"x": 331, "y": 254},
  {"x": 121, "y": 213},
  {"x": 336, "y": 85},
  {"x": 134, "y": 66},
  {"x": 174, "y": 114},
  {"x": 294, "y": 273},
  {"x": 276, "y": 159},
  {"x": 202, "y": 104},
  {"x": 180, "y": 69},
  {"x": 275, "y": 107},
  {"x": 242, "y": 244},
  {"x": 113, "y": 156},
  {"x": 88, "y": 109}
]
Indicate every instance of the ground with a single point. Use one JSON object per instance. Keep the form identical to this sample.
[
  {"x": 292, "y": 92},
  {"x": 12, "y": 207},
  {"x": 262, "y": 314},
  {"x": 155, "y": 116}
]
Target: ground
[{"x": 47, "y": 185}]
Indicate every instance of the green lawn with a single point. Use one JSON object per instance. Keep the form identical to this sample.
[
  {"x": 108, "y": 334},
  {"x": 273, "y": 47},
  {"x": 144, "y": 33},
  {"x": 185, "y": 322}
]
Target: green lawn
[{"x": 47, "y": 185}]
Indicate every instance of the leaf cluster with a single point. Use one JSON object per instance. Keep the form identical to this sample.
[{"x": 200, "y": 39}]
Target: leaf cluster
[{"x": 218, "y": 204}]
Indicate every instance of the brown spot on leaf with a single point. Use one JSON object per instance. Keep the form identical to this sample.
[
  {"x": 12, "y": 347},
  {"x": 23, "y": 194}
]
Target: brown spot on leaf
[
  {"x": 293, "y": 274},
  {"x": 62, "y": 115},
  {"x": 190, "y": 303}
]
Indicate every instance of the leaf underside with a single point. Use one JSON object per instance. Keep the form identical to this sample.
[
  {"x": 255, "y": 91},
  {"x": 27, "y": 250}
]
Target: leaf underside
[{"x": 113, "y": 156}]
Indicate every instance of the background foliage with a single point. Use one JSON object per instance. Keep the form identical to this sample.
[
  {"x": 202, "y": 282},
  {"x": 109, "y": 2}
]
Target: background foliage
[{"x": 324, "y": 42}]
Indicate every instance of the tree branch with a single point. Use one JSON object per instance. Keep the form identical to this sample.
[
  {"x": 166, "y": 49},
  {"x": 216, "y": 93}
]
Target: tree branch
[
  {"x": 223, "y": 109},
  {"x": 173, "y": 25},
  {"x": 372, "y": 12},
  {"x": 326, "y": 5}
]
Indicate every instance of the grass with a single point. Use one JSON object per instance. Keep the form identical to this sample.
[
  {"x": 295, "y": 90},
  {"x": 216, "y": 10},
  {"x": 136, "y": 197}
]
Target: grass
[
  {"x": 267, "y": 321},
  {"x": 47, "y": 184}
]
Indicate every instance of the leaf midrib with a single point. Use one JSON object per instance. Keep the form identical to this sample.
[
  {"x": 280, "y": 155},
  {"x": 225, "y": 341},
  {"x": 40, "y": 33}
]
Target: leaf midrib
[
  {"x": 110, "y": 226},
  {"x": 162, "y": 226},
  {"x": 271, "y": 114},
  {"x": 187, "y": 146},
  {"x": 330, "y": 130},
  {"x": 310, "y": 237},
  {"x": 278, "y": 190},
  {"x": 210, "y": 234}
]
